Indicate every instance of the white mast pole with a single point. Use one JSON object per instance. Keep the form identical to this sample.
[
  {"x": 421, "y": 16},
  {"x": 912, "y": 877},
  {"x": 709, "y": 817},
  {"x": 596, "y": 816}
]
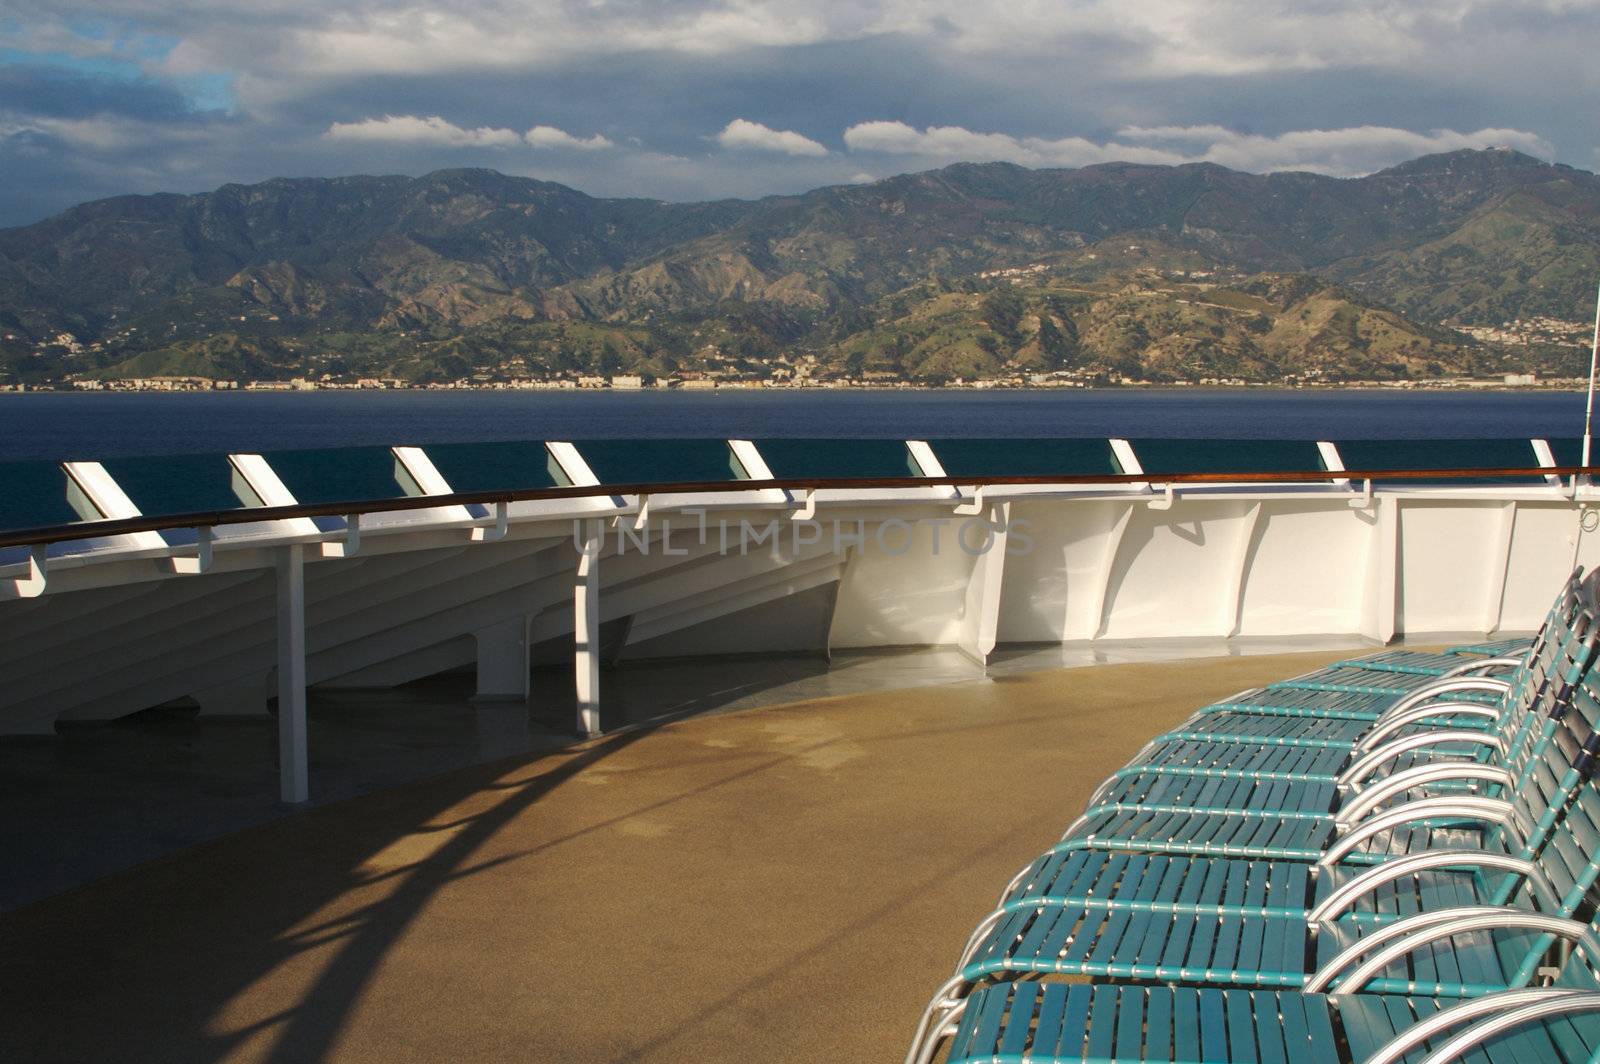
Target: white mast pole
[{"x": 1594, "y": 356}]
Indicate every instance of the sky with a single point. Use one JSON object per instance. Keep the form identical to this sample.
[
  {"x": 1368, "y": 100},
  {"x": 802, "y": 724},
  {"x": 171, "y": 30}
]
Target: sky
[{"x": 700, "y": 99}]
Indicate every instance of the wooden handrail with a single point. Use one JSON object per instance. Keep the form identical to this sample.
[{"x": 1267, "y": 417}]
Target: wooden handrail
[{"x": 29, "y": 537}]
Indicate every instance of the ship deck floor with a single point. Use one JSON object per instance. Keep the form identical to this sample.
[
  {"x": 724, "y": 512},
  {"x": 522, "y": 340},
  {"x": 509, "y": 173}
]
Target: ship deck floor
[{"x": 782, "y": 883}]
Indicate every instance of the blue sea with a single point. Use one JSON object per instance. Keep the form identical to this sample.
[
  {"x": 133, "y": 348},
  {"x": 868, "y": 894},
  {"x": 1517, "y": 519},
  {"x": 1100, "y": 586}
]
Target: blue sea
[{"x": 61, "y": 426}]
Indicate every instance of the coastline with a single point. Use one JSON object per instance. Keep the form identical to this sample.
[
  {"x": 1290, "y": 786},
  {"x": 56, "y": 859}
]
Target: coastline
[{"x": 1563, "y": 384}]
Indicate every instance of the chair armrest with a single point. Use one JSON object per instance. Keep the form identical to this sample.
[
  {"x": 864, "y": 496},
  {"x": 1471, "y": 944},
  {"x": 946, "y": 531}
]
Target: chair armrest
[
  {"x": 1487, "y": 810},
  {"x": 1373, "y": 878},
  {"x": 1364, "y": 802},
  {"x": 1472, "y": 667},
  {"x": 1389, "y": 944},
  {"x": 1362, "y": 766},
  {"x": 1321, "y": 978},
  {"x": 1390, "y": 725},
  {"x": 1572, "y": 1003},
  {"x": 1396, "y": 1049},
  {"x": 1448, "y": 685}
]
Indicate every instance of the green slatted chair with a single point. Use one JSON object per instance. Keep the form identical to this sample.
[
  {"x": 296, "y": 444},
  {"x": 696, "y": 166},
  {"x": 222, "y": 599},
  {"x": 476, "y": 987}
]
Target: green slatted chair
[
  {"x": 1313, "y": 774},
  {"x": 1249, "y": 918},
  {"x": 1291, "y": 759},
  {"x": 1234, "y": 923},
  {"x": 1296, "y": 819},
  {"x": 1350, "y": 694},
  {"x": 1055, "y": 1023},
  {"x": 1434, "y": 662},
  {"x": 1366, "y": 708},
  {"x": 1494, "y": 648},
  {"x": 1450, "y": 660},
  {"x": 1367, "y": 697},
  {"x": 1277, "y": 715}
]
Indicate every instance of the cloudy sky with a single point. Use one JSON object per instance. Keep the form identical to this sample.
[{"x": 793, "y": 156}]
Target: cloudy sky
[{"x": 693, "y": 99}]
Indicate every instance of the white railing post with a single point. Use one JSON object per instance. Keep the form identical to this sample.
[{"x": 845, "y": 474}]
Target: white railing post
[
  {"x": 293, "y": 775},
  {"x": 980, "y": 621},
  {"x": 1382, "y": 605},
  {"x": 1231, "y": 621},
  {"x": 586, "y": 629}
]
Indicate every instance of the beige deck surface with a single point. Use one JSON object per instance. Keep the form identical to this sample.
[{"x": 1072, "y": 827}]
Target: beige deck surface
[{"x": 788, "y": 883}]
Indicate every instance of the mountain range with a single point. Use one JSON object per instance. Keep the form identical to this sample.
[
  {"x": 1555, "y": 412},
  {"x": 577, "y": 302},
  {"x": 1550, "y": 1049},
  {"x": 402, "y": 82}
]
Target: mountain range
[{"x": 1467, "y": 262}]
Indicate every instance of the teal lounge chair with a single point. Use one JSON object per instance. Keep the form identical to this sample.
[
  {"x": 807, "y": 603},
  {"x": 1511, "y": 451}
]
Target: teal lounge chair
[
  {"x": 1431, "y": 662},
  {"x": 1303, "y": 769},
  {"x": 1241, "y": 924},
  {"x": 1450, "y": 660},
  {"x": 1057, "y": 1023},
  {"x": 1459, "y": 701},
  {"x": 1462, "y": 658},
  {"x": 1492, "y": 648},
  {"x": 1349, "y": 691}
]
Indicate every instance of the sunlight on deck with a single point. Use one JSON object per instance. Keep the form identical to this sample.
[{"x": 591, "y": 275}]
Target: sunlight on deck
[{"x": 782, "y": 884}]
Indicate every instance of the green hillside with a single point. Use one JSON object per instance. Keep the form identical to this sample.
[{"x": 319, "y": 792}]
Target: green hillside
[{"x": 974, "y": 271}]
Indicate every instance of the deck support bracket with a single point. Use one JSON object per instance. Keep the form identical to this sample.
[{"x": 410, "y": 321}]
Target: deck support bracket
[
  {"x": 204, "y": 542},
  {"x": 808, "y": 509},
  {"x": 496, "y": 532},
  {"x": 33, "y": 585}
]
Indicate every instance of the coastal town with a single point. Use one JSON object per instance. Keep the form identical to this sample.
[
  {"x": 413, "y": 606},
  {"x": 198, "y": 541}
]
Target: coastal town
[{"x": 632, "y": 382}]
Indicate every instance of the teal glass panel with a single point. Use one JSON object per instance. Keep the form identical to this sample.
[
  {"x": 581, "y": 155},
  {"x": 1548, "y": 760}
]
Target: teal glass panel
[
  {"x": 1569, "y": 452},
  {"x": 1227, "y": 456},
  {"x": 837, "y": 458},
  {"x": 657, "y": 461},
  {"x": 176, "y": 484},
  {"x": 517, "y": 465},
  {"x": 1441, "y": 454},
  {"x": 337, "y": 474},
  {"x": 33, "y": 495},
  {"x": 1024, "y": 457}
]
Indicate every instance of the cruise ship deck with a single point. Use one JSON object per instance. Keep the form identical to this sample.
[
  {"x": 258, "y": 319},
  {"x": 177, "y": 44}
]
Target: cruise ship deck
[
  {"x": 778, "y": 883},
  {"x": 287, "y": 738}
]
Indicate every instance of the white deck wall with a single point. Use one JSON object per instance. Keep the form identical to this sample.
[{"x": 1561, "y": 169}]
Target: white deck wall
[{"x": 117, "y": 629}]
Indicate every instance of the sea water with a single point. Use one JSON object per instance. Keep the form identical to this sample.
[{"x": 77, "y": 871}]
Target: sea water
[{"x": 61, "y": 426}]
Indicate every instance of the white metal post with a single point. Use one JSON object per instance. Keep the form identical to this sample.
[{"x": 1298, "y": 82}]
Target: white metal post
[
  {"x": 293, "y": 775},
  {"x": 980, "y": 619},
  {"x": 1383, "y": 571},
  {"x": 1594, "y": 353},
  {"x": 586, "y": 629}
]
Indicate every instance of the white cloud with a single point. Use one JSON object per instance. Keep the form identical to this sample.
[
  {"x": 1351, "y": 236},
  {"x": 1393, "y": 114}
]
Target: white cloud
[
  {"x": 1353, "y": 150},
  {"x": 551, "y": 137},
  {"x": 281, "y": 49},
  {"x": 107, "y": 134},
  {"x": 742, "y": 135},
  {"x": 414, "y": 129},
  {"x": 1342, "y": 152},
  {"x": 1366, "y": 83},
  {"x": 957, "y": 143},
  {"x": 1169, "y": 38},
  {"x": 417, "y": 130}
]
